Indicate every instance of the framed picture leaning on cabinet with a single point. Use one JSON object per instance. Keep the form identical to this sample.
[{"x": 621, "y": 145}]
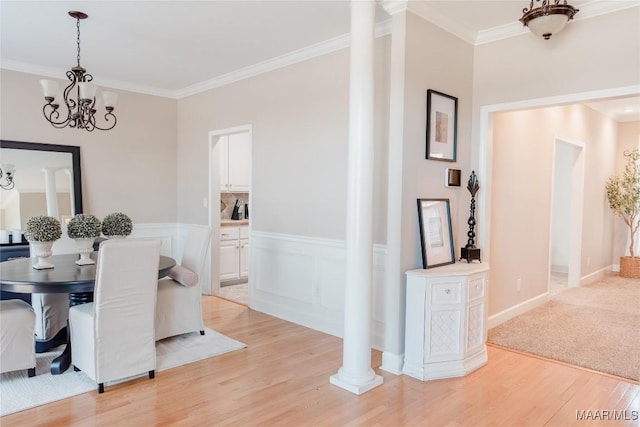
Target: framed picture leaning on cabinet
[{"x": 434, "y": 217}]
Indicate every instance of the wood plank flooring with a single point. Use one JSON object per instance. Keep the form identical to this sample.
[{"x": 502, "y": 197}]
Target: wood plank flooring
[{"x": 282, "y": 379}]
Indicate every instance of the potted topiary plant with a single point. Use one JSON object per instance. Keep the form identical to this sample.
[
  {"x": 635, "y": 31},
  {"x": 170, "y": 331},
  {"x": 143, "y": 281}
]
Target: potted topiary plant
[
  {"x": 84, "y": 228},
  {"x": 41, "y": 231},
  {"x": 623, "y": 194},
  {"x": 116, "y": 225}
]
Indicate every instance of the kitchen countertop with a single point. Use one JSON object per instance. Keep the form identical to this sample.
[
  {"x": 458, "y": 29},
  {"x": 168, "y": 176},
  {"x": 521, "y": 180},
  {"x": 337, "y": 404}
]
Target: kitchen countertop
[{"x": 233, "y": 222}]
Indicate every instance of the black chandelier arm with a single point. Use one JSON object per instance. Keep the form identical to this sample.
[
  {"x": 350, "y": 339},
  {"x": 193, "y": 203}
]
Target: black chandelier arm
[
  {"x": 107, "y": 115},
  {"x": 52, "y": 114}
]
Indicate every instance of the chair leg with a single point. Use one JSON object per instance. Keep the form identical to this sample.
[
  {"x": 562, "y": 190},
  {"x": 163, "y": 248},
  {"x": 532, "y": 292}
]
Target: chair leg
[
  {"x": 31, "y": 372},
  {"x": 101, "y": 388},
  {"x": 152, "y": 374},
  {"x": 201, "y": 332}
]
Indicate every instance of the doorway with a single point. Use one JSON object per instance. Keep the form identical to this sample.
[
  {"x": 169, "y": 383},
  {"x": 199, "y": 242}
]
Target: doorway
[
  {"x": 229, "y": 185},
  {"x": 566, "y": 215}
]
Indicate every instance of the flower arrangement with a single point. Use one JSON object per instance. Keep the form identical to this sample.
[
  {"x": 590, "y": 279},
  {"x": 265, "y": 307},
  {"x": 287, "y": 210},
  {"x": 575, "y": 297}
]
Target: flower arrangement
[
  {"x": 42, "y": 228},
  {"x": 117, "y": 224},
  {"x": 84, "y": 226}
]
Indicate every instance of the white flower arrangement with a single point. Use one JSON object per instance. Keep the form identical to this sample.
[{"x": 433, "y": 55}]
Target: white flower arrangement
[
  {"x": 117, "y": 224},
  {"x": 42, "y": 228},
  {"x": 84, "y": 226}
]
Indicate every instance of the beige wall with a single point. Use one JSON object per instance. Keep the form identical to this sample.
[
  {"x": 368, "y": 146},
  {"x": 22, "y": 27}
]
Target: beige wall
[
  {"x": 523, "y": 147},
  {"x": 300, "y": 118},
  {"x": 435, "y": 60},
  {"x": 595, "y": 54},
  {"x": 131, "y": 168},
  {"x": 628, "y": 138}
]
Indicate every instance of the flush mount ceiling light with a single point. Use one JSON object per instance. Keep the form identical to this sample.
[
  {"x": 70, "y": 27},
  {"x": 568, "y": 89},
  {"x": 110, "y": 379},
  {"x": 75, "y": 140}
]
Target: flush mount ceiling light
[
  {"x": 79, "y": 112},
  {"x": 548, "y": 18}
]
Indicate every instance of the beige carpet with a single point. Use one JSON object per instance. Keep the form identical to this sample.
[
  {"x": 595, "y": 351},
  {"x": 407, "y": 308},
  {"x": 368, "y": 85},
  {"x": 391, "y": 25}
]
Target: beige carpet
[{"x": 595, "y": 326}]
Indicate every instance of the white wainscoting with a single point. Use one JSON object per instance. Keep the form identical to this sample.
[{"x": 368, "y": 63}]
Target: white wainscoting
[
  {"x": 302, "y": 279},
  {"x": 173, "y": 237}
]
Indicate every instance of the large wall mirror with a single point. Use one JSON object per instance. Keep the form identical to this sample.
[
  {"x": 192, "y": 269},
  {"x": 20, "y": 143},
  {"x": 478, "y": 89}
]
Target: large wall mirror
[{"x": 47, "y": 181}]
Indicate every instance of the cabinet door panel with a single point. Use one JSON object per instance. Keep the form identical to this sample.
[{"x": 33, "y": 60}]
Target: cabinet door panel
[
  {"x": 229, "y": 259},
  {"x": 239, "y": 161},
  {"x": 244, "y": 257}
]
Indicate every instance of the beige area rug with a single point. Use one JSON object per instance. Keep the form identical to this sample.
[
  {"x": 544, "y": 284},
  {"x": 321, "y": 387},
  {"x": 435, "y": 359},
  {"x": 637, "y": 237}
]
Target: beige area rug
[
  {"x": 595, "y": 326},
  {"x": 18, "y": 392}
]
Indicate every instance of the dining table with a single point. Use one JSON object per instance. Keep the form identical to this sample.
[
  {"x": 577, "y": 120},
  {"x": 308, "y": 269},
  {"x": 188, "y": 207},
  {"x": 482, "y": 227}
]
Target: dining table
[{"x": 19, "y": 276}]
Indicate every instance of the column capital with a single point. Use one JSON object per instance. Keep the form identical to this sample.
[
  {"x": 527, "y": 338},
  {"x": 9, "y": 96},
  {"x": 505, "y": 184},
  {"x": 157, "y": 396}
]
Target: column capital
[{"x": 394, "y": 6}]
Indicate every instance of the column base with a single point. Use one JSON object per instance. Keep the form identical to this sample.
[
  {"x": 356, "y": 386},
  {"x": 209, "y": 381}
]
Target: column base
[{"x": 354, "y": 388}]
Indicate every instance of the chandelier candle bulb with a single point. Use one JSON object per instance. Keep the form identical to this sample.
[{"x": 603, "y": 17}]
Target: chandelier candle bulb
[
  {"x": 87, "y": 91},
  {"x": 109, "y": 99},
  {"x": 49, "y": 88}
]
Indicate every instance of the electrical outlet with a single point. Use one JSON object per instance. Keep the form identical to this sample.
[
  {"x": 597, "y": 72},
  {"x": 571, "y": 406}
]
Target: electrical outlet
[
  {"x": 588, "y": 261},
  {"x": 205, "y": 202},
  {"x": 519, "y": 284}
]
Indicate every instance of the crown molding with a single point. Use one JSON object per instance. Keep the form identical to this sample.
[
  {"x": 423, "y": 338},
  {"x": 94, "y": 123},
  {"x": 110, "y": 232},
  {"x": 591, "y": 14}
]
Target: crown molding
[
  {"x": 394, "y": 6},
  {"x": 59, "y": 74},
  {"x": 587, "y": 11},
  {"x": 427, "y": 12},
  {"x": 319, "y": 49}
]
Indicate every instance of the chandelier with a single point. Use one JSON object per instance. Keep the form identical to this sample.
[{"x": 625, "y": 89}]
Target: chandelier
[
  {"x": 78, "y": 99},
  {"x": 7, "y": 172},
  {"x": 548, "y": 18}
]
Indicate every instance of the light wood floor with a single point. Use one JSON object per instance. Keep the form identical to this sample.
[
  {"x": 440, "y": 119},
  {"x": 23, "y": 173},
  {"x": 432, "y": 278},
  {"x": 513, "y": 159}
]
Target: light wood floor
[{"x": 282, "y": 379}]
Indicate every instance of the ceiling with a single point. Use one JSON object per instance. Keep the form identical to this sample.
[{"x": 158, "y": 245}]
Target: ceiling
[{"x": 176, "y": 48}]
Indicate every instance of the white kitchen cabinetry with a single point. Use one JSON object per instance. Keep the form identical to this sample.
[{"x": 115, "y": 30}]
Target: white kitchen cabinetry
[
  {"x": 446, "y": 319},
  {"x": 235, "y": 162},
  {"x": 234, "y": 252}
]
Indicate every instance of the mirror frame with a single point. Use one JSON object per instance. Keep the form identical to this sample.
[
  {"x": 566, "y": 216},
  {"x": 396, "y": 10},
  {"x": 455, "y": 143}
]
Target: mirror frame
[{"x": 75, "y": 156}]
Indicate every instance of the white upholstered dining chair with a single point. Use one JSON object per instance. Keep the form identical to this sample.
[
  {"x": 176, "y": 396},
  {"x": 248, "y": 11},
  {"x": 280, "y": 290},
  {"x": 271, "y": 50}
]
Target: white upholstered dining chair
[
  {"x": 114, "y": 337},
  {"x": 52, "y": 310},
  {"x": 179, "y": 306},
  {"x": 17, "y": 329}
]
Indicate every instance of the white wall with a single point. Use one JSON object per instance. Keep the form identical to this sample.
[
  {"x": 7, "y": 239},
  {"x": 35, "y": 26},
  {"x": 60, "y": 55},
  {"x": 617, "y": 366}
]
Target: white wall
[{"x": 561, "y": 206}]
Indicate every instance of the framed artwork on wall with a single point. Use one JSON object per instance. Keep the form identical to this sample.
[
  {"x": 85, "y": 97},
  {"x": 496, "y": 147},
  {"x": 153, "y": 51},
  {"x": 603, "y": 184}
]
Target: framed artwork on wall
[
  {"x": 434, "y": 216},
  {"x": 442, "y": 126}
]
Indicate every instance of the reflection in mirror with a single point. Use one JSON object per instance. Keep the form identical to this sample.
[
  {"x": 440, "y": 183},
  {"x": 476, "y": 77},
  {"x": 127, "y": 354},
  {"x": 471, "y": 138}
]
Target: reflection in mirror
[{"x": 46, "y": 181}]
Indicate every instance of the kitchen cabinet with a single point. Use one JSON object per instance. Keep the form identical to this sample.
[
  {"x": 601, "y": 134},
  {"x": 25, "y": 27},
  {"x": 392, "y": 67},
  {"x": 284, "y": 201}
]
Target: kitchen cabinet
[
  {"x": 234, "y": 252},
  {"x": 445, "y": 321},
  {"x": 235, "y": 162}
]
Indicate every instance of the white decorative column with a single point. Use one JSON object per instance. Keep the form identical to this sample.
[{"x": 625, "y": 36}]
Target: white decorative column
[
  {"x": 72, "y": 192},
  {"x": 394, "y": 295},
  {"x": 356, "y": 374},
  {"x": 50, "y": 192}
]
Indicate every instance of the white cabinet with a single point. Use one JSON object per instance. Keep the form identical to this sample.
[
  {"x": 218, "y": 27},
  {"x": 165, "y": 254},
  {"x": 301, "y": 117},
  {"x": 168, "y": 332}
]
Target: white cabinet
[
  {"x": 445, "y": 324},
  {"x": 243, "y": 253},
  {"x": 235, "y": 162},
  {"x": 234, "y": 252}
]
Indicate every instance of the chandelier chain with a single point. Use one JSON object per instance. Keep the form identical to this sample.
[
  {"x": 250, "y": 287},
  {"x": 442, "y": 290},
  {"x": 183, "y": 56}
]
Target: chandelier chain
[{"x": 78, "y": 39}]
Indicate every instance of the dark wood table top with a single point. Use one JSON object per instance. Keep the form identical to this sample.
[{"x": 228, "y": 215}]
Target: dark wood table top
[{"x": 18, "y": 275}]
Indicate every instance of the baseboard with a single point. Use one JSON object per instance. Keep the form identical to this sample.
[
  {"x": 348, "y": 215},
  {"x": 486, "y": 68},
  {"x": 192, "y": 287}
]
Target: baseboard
[
  {"x": 516, "y": 310},
  {"x": 392, "y": 363},
  {"x": 598, "y": 274}
]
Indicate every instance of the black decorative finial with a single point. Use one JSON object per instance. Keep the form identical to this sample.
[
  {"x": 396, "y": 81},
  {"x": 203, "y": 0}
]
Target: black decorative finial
[{"x": 470, "y": 252}]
